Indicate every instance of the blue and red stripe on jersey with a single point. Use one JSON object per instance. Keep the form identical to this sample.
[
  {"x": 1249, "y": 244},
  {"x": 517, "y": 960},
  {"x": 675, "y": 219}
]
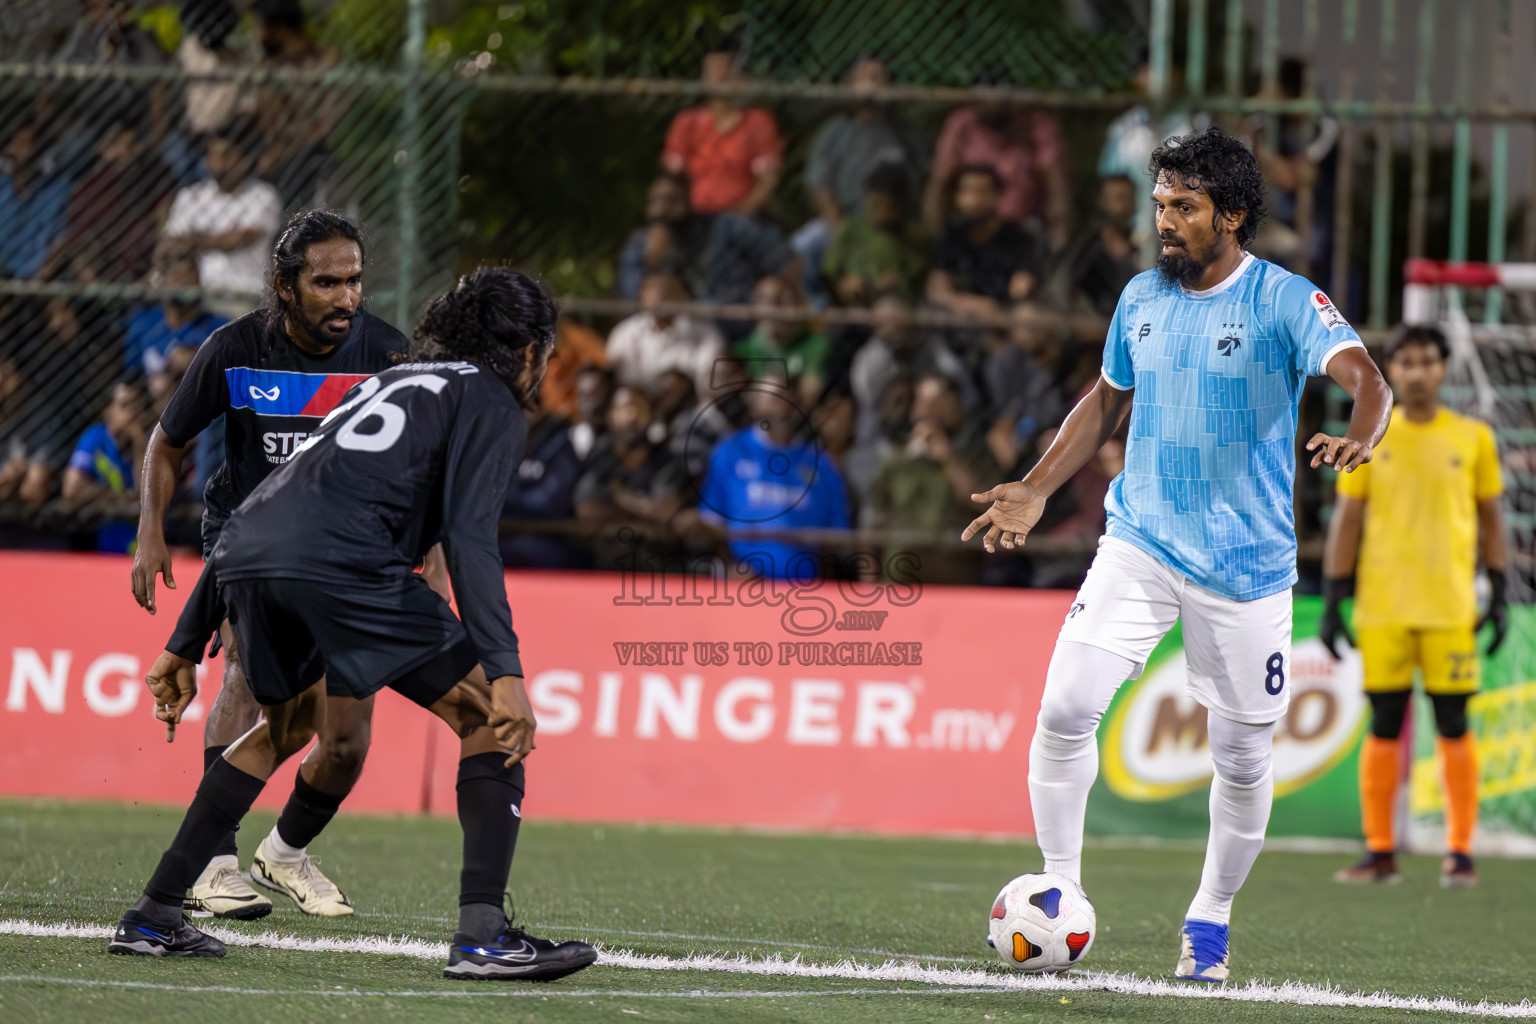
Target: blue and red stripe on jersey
[{"x": 288, "y": 392}]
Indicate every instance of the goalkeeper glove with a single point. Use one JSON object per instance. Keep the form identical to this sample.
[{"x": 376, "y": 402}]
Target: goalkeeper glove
[
  {"x": 1498, "y": 609},
  {"x": 1332, "y": 626}
]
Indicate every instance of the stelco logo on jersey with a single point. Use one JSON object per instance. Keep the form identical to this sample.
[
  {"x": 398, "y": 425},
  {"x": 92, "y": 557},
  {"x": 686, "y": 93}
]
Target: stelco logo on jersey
[
  {"x": 287, "y": 405},
  {"x": 280, "y": 446},
  {"x": 1156, "y": 748}
]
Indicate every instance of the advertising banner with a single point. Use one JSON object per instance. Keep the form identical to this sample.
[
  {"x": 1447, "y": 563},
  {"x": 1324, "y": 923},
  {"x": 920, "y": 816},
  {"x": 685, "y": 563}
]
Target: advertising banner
[
  {"x": 1503, "y": 718},
  {"x": 1155, "y": 764},
  {"x": 885, "y": 707},
  {"x": 880, "y": 707}
]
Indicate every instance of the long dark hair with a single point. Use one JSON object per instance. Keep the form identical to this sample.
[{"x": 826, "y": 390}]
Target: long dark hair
[
  {"x": 497, "y": 317},
  {"x": 290, "y": 253}
]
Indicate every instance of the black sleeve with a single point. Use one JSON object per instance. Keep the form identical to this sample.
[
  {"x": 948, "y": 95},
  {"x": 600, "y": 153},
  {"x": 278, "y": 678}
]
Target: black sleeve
[
  {"x": 203, "y": 393},
  {"x": 949, "y": 257},
  {"x": 200, "y": 618},
  {"x": 484, "y": 449}
]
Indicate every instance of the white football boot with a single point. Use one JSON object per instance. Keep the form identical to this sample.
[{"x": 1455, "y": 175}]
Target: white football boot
[
  {"x": 302, "y": 881},
  {"x": 221, "y": 891}
]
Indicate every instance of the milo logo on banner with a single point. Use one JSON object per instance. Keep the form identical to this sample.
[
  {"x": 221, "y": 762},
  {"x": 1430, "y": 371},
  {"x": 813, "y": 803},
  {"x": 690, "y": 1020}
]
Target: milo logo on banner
[{"x": 1155, "y": 748}]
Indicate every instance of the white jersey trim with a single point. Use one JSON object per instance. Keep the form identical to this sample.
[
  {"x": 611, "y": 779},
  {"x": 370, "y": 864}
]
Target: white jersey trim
[
  {"x": 1230, "y": 280},
  {"x": 1112, "y": 383},
  {"x": 1322, "y": 367}
]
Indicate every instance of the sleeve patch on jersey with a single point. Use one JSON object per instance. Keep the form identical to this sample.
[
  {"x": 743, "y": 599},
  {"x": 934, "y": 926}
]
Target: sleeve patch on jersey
[{"x": 1327, "y": 312}]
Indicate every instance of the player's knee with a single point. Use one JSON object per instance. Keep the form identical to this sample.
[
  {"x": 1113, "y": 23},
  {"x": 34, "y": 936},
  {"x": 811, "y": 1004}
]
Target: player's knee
[
  {"x": 1063, "y": 713},
  {"x": 1242, "y": 754},
  {"x": 1450, "y": 714},
  {"x": 1387, "y": 713},
  {"x": 345, "y": 754}
]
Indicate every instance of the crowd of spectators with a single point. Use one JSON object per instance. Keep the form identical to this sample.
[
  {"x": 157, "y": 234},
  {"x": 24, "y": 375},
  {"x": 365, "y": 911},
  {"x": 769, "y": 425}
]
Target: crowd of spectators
[
  {"x": 676, "y": 434},
  {"x": 142, "y": 184}
]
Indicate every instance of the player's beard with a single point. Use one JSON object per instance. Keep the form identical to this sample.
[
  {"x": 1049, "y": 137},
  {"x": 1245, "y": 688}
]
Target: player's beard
[
  {"x": 321, "y": 330},
  {"x": 1182, "y": 266}
]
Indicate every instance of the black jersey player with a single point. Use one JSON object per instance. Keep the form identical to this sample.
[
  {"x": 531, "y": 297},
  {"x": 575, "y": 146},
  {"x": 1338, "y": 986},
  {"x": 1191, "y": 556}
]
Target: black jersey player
[
  {"x": 272, "y": 374},
  {"x": 422, "y": 452}
]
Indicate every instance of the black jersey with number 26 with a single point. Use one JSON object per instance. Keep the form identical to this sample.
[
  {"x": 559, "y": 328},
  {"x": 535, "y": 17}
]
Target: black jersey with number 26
[{"x": 421, "y": 453}]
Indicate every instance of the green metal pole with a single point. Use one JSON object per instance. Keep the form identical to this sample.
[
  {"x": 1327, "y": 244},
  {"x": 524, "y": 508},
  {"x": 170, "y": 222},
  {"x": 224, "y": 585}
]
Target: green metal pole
[
  {"x": 1461, "y": 154},
  {"x": 1418, "y": 182},
  {"x": 1498, "y": 178},
  {"x": 1381, "y": 198},
  {"x": 1269, "y": 65},
  {"x": 1233, "y": 58},
  {"x": 1498, "y": 195},
  {"x": 1195, "y": 63},
  {"x": 409, "y": 157},
  {"x": 1158, "y": 46},
  {"x": 1343, "y": 199}
]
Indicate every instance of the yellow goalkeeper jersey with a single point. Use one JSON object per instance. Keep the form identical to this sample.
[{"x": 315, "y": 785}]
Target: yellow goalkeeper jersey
[{"x": 1418, "y": 553}]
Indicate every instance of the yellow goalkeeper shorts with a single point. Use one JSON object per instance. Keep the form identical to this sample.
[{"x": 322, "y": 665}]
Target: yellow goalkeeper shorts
[{"x": 1447, "y": 658}]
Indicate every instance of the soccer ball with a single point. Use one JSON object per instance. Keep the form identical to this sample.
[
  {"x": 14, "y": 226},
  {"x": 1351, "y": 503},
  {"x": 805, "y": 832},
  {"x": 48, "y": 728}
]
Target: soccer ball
[{"x": 1041, "y": 924}]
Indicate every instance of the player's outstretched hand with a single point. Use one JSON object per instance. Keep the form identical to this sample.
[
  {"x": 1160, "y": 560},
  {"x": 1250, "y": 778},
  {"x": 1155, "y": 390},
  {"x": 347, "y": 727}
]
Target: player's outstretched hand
[
  {"x": 1341, "y": 453},
  {"x": 152, "y": 557},
  {"x": 512, "y": 717},
  {"x": 173, "y": 682},
  {"x": 1016, "y": 508}
]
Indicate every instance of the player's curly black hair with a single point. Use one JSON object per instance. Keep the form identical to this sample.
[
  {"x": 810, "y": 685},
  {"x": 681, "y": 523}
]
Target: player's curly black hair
[
  {"x": 497, "y": 317},
  {"x": 1222, "y": 167}
]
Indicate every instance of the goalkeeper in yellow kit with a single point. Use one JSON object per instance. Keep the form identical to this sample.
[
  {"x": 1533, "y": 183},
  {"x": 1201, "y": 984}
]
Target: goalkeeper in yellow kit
[{"x": 1414, "y": 516}]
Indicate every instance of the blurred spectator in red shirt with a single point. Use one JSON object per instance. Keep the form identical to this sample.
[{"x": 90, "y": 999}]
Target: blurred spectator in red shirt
[
  {"x": 1026, "y": 150},
  {"x": 731, "y": 154}
]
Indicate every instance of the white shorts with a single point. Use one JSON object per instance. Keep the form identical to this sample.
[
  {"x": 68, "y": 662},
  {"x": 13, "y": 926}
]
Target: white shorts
[{"x": 1238, "y": 652}]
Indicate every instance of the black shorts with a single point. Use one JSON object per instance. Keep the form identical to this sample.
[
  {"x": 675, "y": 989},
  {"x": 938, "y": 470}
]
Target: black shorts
[
  {"x": 361, "y": 637},
  {"x": 213, "y": 522}
]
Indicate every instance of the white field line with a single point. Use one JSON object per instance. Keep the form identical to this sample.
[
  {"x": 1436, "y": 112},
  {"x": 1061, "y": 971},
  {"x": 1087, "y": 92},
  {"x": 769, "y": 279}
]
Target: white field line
[
  {"x": 541, "y": 992},
  {"x": 116, "y": 903},
  {"x": 892, "y": 972}
]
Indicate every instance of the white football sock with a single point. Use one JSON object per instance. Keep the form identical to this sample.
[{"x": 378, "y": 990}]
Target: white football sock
[
  {"x": 1064, "y": 755},
  {"x": 1242, "y": 792},
  {"x": 281, "y": 851}
]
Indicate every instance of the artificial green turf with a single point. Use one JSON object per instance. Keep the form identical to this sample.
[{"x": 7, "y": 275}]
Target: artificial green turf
[{"x": 666, "y": 891}]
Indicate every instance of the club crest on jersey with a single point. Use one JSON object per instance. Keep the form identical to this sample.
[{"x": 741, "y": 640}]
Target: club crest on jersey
[{"x": 1327, "y": 312}]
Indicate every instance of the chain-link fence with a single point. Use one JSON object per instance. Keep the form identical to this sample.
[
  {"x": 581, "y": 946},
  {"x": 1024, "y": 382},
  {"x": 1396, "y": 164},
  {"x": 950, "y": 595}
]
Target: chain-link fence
[{"x": 152, "y": 150}]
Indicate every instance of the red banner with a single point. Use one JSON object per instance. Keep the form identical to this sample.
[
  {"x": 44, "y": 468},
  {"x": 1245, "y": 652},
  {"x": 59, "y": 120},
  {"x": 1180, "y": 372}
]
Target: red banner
[{"x": 885, "y": 707}]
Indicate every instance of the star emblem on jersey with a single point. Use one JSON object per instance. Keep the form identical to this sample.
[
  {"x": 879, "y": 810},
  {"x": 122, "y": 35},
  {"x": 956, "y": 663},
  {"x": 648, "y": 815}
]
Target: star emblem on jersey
[{"x": 1231, "y": 340}]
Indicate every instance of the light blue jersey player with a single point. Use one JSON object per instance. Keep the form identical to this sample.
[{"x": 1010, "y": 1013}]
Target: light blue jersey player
[{"x": 1207, "y": 354}]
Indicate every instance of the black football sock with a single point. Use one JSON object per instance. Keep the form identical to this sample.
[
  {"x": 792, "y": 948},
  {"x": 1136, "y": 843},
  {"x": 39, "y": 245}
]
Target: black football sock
[
  {"x": 306, "y": 813},
  {"x": 223, "y": 798},
  {"x": 226, "y": 845},
  {"x": 490, "y": 798}
]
